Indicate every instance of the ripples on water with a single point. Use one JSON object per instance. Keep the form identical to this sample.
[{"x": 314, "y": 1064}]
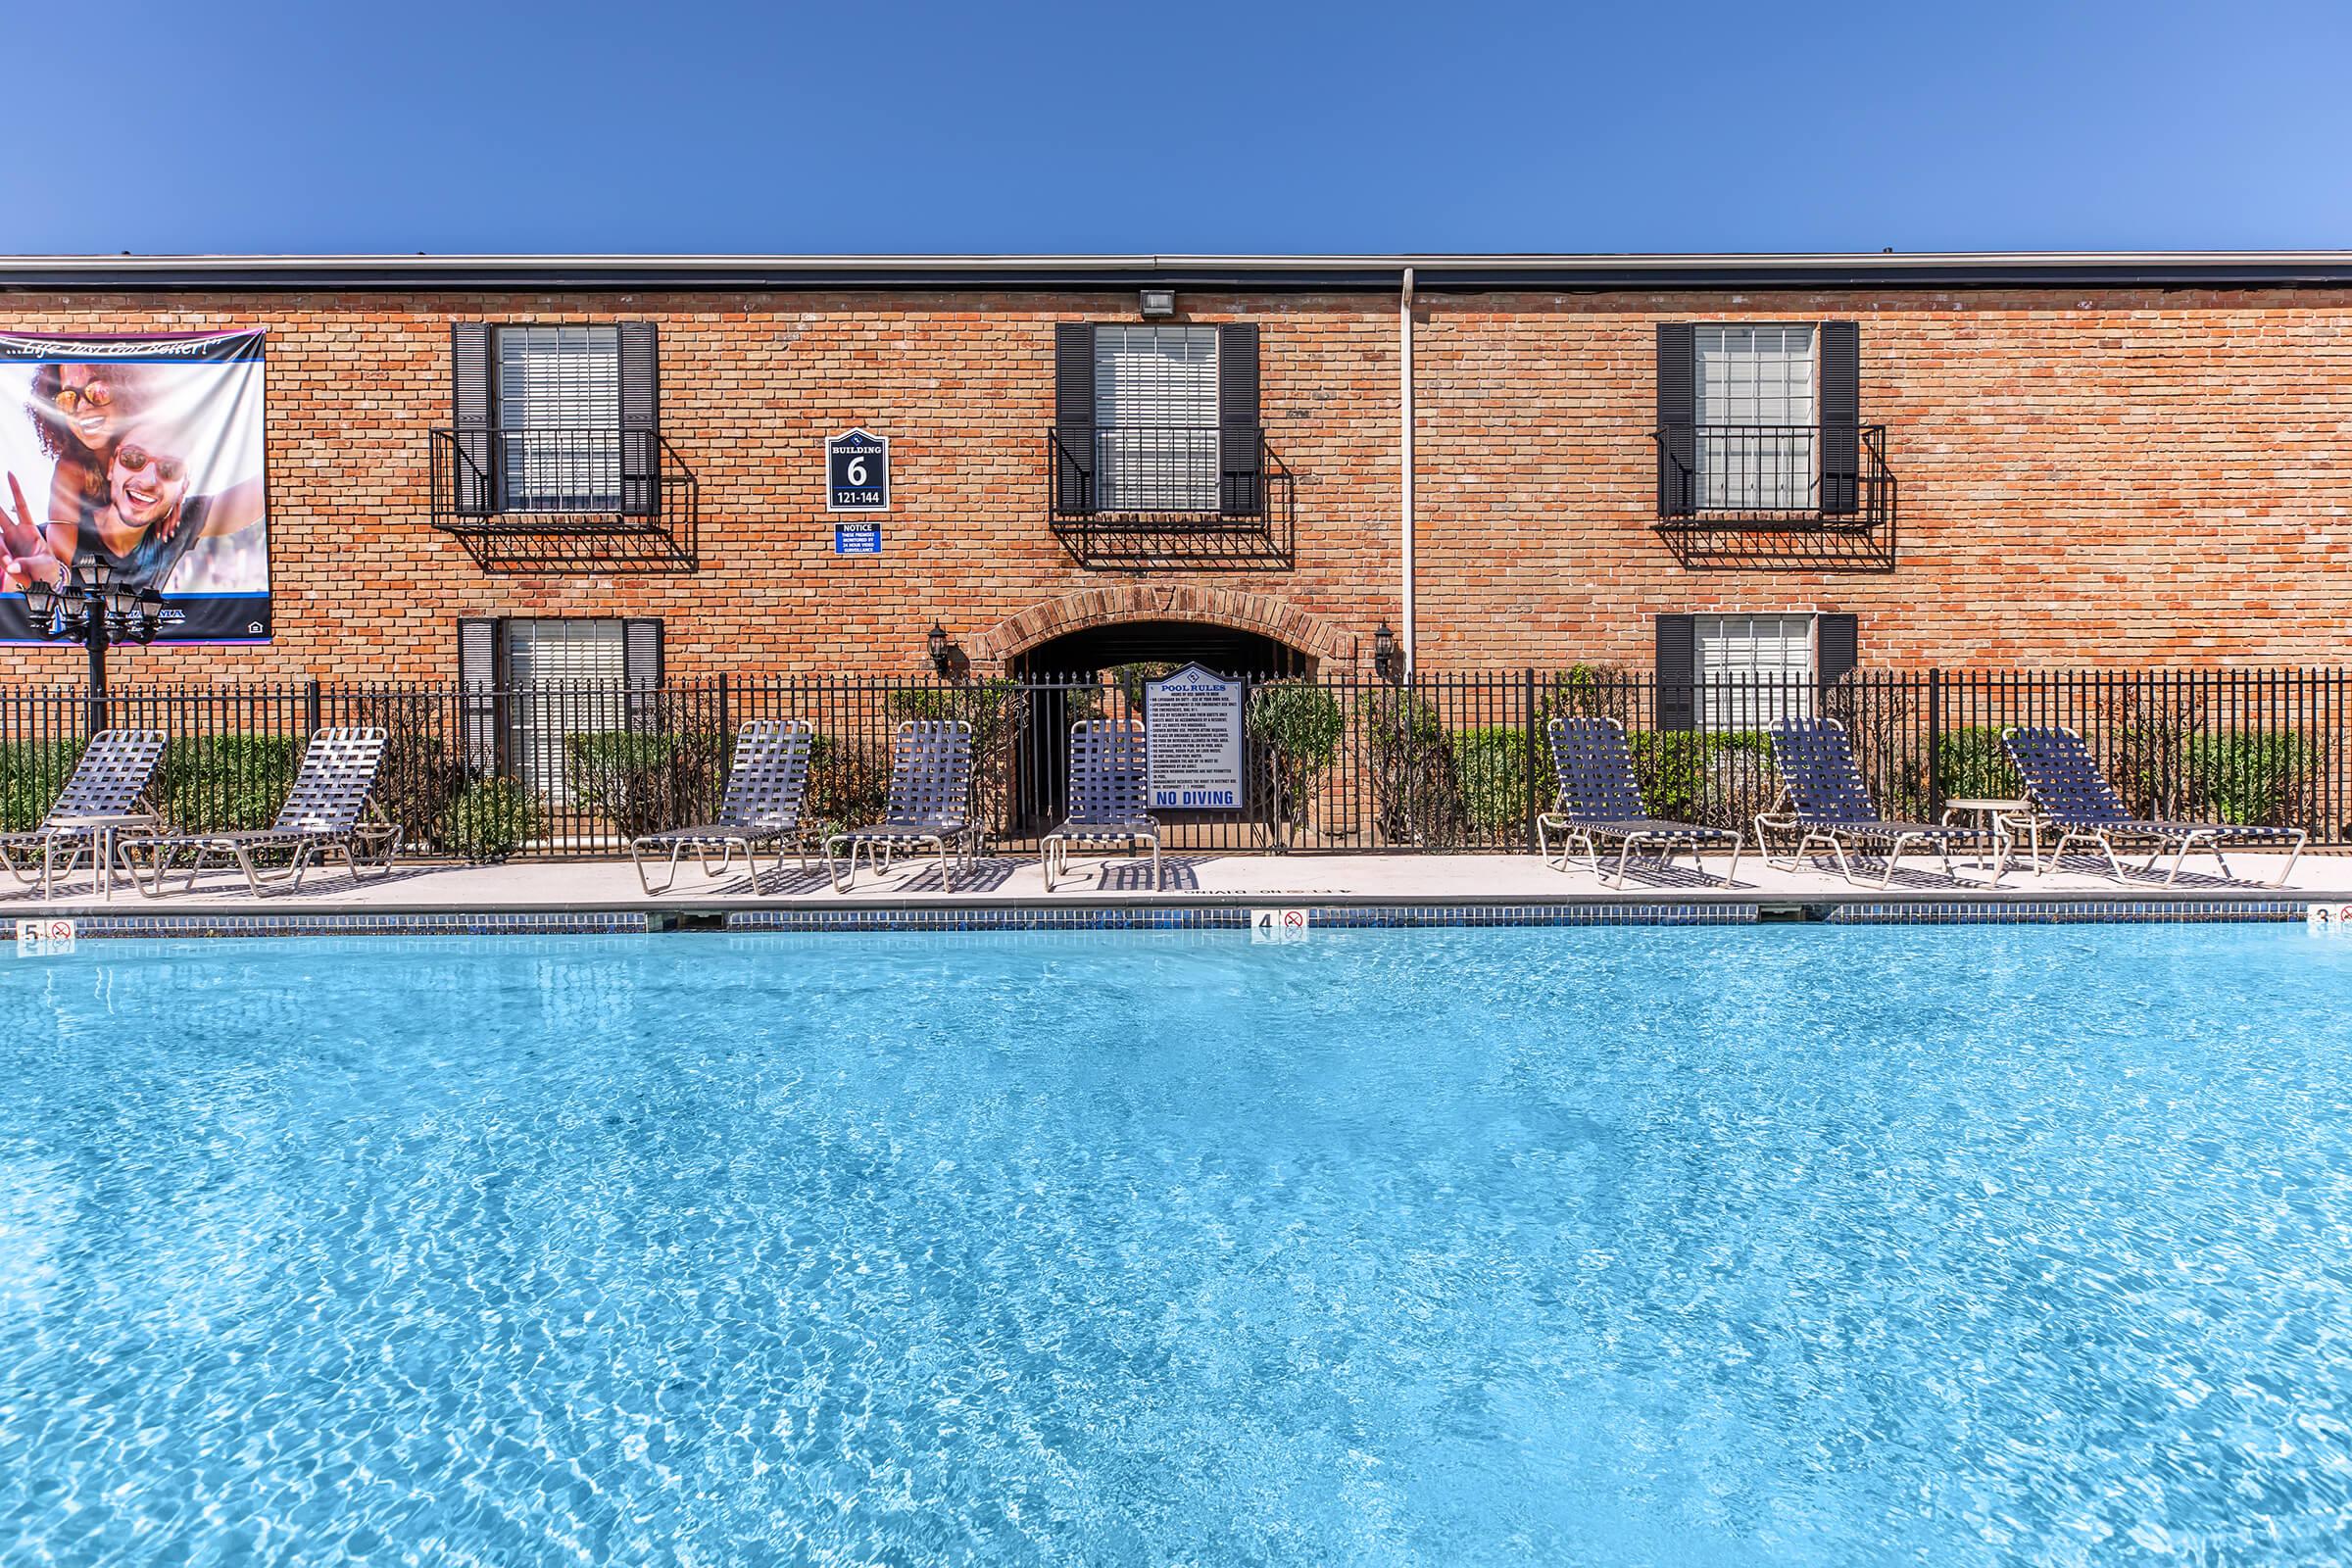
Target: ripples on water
[{"x": 1614, "y": 1247}]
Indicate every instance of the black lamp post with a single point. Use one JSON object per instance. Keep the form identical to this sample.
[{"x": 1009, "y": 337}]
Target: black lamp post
[
  {"x": 94, "y": 608},
  {"x": 1384, "y": 652}
]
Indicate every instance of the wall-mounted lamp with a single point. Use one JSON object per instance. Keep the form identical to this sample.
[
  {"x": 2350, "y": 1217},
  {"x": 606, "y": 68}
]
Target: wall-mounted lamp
[
  {"x": 942, "y": 651},
  {"x": 1384, "y": 652},
  {"x": 1159, "y": 304}
]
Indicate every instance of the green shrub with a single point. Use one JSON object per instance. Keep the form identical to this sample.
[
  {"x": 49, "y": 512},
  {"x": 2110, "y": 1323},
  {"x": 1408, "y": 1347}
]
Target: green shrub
[
  {"x": 848, "y": 786},
  {"x": 996, "y": 708},
  {"x": 228, "y": 783},
  {"x": 32, "y": 772},
  {"x": 1720, "y": 779},
  {"x": 1296, "y": 727},
  {"x": 2254, "y": 779},
  {"x": 1971, "y": 765},
  {"x": 1593, "y": 691},
  {"x": 1416, "y": 784},
  {"x": 642, "y": 780},
  {"x": 421, "y": 777},
  {"x": 491, "y": 819},
  {"x": 1492, "y": 763}
]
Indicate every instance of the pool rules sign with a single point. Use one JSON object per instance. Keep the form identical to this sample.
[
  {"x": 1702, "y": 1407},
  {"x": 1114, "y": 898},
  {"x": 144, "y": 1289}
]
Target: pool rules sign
[{"x": 1193, "y": 741}]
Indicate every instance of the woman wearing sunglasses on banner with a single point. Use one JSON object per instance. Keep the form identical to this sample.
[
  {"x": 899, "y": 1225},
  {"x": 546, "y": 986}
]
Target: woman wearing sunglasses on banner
[
  {"x": 148, "y": 523},
  {"x": 80, "y": 412}
]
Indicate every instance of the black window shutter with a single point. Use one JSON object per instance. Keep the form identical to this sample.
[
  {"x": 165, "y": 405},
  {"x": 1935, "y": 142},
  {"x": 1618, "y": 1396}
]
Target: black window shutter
[
  {"x": 481, "y": 671},
  {"x": 1678, "y": 673},
  {"x": 1074, "y": 417},
  {"x": 640, "y": 419},
  {"x": 1841, "y": 418},
  {"x": 1836, "y": 647},
  {"x": 1240, "y": 430},
  {"x": 472, "y": 483},
  {"x": 641, "y": 667},
  {"x": 1678, "y": 421}
]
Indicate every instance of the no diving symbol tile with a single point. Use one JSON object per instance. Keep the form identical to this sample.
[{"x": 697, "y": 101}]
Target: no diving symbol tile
[{"x": 37, "y": 939}]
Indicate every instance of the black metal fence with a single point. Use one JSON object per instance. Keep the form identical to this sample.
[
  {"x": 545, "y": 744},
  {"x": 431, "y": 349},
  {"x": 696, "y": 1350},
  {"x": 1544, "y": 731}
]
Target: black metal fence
[{"x": 1447, "y": 762}]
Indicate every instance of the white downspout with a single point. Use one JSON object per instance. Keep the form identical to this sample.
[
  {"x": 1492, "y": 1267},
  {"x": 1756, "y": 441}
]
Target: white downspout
[{"x": 1406, "y": 521}]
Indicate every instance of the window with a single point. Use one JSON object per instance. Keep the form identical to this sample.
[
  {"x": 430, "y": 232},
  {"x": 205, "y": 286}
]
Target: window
[
  {"x": 1752, "y": 670},
  {"x": 1155, "y": 419},
  {"x": 566, "y": 678},
  {"x": 557, "y": 396},
  {"x": 1757, "y": 428},
  {"x": 530, "y": 684}
]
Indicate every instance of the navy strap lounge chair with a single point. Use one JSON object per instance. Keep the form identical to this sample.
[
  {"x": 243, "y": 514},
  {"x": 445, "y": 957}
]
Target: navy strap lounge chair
[
  {"x": 106, "y": 783},
  {"x": 930, "y": 803},
  {"x": 768, "y": 781},
  {"x": 1110, "y": 796},
  {"x": 1600, "y": 802},
  {"x": 2070, "y": 792},
  {"x": 323, "y": 813},
  {"x": 1829, "y": 808}
]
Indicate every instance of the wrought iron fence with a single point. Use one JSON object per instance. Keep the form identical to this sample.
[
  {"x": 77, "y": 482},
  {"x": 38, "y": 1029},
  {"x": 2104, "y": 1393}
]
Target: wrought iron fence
[{"x": 1448, "y": 762}]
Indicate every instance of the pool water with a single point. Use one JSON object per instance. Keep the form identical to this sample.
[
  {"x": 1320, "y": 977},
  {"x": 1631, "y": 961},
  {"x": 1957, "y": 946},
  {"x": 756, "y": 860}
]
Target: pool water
[{"x": 1605, "y": 1245}]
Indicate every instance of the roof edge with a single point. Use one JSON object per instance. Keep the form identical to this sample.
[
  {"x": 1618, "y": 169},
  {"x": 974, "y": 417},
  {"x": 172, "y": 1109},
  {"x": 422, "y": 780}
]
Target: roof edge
[{"x": 1433, "y": 273}]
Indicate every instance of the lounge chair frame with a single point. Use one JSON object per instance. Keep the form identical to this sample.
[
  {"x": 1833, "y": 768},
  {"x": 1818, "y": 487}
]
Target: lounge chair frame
[
  {"x": 109, "y": 780},
  {"x": 1826, "y": 803},
  {"x": 929, "y": 804},
  {"x": 767, "y": 785},
  {"x": 326, "y": 812},
  {"x": 1600, "y": 801},
  {"x": 1109, "y": 797},
  {"x": 2069, "y": 793}
]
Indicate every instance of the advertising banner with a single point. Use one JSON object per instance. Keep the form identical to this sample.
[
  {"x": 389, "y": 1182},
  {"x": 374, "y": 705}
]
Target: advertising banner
[{"x": 143, "y": 453}]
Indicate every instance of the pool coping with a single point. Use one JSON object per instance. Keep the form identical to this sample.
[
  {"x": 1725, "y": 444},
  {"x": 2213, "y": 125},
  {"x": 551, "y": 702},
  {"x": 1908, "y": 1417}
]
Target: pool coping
[{"x": 1192, "y": 912}]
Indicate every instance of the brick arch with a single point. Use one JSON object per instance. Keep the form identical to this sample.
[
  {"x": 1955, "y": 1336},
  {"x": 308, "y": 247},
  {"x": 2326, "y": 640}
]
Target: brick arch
[{"x": 1263, "y": 614}]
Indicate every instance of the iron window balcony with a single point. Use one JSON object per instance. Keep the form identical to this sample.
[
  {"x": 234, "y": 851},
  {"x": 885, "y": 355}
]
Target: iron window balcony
[
  {"x": 1774, "y": 476},
  {"x": 518, "y": 494},
  {"x": 1163, "y": 478}
]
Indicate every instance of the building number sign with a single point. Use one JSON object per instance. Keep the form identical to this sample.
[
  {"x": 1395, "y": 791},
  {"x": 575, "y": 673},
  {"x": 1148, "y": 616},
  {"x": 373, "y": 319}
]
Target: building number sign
[{"x": 858, "y": 472}]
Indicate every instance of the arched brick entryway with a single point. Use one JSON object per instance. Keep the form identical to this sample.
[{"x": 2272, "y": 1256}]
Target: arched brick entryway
[{"x": 1263, "y": 614}]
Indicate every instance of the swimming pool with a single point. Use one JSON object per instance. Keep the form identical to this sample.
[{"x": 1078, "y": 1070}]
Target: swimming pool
[{"x": 1785, "y": 1245}]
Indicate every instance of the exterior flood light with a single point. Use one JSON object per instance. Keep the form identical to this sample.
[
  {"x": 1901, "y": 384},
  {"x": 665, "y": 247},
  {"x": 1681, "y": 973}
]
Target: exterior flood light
[{"x": 1159, "y": 304}]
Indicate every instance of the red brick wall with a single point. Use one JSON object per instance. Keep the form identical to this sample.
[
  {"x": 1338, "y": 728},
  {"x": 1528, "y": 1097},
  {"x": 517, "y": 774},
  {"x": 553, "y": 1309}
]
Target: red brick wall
[
  {"x": 2121, "y": 479},
  {"x": 2118, "y": 480}
]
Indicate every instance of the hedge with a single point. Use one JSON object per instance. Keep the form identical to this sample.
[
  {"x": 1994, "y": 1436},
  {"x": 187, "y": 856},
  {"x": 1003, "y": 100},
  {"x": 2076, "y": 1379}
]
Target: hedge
[
  {"x": 642, "y": 781},
  {"x": 1492, "y": 761},
  {"x": 31, "y": 774},
  {"x": 228, "y": 783},
  {"x": 491, "y": 819}
]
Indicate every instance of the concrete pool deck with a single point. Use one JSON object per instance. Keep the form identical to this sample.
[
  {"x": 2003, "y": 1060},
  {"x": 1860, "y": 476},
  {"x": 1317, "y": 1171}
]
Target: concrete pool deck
[{"x": 1217, "y": 889}]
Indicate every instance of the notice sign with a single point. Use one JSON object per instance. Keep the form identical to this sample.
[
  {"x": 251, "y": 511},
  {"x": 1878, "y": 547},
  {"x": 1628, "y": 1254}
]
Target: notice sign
[
  {"x": 856, "y": 538},
  {"x": 1192, "y": 738},
  {"x": 858, "y": 472}
]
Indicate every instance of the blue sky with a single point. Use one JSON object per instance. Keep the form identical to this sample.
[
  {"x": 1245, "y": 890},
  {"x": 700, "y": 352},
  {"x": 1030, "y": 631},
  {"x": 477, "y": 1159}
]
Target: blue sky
[{"x": 727, "y": 125}]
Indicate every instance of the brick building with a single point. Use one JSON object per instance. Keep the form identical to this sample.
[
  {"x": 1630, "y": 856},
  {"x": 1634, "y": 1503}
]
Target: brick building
[{"x": 515, "y": 465}]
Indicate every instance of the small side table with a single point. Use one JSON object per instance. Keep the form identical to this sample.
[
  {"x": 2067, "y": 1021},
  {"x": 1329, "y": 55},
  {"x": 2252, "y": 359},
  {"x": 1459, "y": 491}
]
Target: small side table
[
  {"x": 2004, "y": 815},
  {"x": 105, "y": 833}
]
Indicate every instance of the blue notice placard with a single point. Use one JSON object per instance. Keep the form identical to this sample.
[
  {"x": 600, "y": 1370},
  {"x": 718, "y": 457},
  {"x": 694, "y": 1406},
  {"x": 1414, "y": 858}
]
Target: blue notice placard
[{"x": 856, "y": 538}]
